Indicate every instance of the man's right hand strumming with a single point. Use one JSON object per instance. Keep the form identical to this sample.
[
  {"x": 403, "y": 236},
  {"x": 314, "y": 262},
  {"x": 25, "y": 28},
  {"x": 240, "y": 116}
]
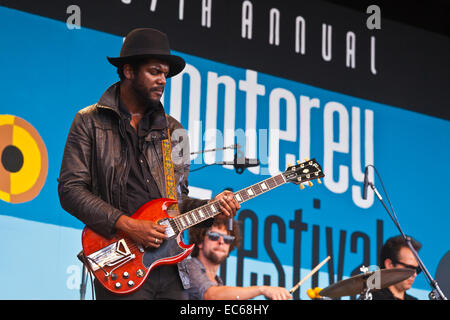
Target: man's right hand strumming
[{"x": 144, "y": 232}]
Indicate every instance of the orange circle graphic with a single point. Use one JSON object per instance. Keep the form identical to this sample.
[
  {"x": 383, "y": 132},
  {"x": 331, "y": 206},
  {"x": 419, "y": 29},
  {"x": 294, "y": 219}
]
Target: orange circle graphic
[{"x": 23, "y": 160}]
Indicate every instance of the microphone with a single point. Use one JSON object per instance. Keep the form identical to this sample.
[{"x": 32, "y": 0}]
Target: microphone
[
  {"x": 240, "y": 164},
  {"x": 366, "y": 182}
]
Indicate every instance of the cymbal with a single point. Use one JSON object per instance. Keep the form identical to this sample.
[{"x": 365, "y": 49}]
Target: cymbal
[{"x": 356, "y": 284}]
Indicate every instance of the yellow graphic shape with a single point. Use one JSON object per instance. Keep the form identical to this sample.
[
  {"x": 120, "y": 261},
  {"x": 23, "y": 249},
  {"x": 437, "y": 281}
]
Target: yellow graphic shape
[
  {"x": 26, "y": 177},
  {"x": 24, "y": 160}
]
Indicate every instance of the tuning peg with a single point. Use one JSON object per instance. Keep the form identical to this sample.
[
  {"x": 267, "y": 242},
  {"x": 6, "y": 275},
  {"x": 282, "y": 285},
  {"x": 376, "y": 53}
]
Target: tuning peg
[
  {"x": 302, "y": 186},
  {"x": 319, "y": 181},
  {"x": 310, "y": 183},
  {"x": 290, "y": 165},
  {"x": 298, "y": 162},
  {"x": 306, "y": 159}
]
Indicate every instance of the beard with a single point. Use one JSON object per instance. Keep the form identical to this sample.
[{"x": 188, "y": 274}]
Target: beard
[
  {"x": 145, "y": 94},
  {"x": 213, "y": 257}
]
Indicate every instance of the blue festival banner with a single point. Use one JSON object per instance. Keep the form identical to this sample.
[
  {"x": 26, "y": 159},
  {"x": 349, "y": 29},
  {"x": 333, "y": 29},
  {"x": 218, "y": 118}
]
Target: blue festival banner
[{"x": 54, "y": 71}]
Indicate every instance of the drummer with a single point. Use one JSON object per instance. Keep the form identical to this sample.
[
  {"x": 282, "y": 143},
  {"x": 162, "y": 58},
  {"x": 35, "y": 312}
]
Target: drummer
[{"x": 394, "y": 254}]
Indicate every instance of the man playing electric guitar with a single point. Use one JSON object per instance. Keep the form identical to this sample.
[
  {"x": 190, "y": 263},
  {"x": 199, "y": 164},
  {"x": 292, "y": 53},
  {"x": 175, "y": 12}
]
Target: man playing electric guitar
[{"x": 114, "y": 163}]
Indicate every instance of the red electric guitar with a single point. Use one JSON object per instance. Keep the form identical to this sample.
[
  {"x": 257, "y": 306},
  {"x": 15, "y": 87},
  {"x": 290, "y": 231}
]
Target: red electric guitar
[{"x": 122, "y": 266}]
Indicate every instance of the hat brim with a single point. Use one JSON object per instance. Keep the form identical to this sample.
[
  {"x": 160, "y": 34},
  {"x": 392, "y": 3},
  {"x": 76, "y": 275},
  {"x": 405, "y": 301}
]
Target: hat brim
[{"x": 176, "y": 63}]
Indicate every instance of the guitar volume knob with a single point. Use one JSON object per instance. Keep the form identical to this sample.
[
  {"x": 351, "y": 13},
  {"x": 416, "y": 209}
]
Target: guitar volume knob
[{"x": 125, "y": 275}]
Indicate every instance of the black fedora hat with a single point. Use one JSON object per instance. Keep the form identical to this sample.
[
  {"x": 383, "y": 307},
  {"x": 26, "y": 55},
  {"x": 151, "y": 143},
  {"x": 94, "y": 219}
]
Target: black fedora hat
[{"x": 148, "y": 43}]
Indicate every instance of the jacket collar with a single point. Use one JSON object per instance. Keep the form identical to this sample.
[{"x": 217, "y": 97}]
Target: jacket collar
[{"x": 111, "y": 100}]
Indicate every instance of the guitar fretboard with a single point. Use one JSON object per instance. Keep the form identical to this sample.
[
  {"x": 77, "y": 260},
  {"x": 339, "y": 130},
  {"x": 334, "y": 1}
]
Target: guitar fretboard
[{"x": 193, "y": 217}]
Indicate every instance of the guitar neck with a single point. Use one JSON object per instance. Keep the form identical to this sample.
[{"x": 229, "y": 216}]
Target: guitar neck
[{"x": 211, "y": 209}]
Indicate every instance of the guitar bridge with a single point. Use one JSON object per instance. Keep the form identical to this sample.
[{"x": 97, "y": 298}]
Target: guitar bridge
[{"x": 110, "y": 256}]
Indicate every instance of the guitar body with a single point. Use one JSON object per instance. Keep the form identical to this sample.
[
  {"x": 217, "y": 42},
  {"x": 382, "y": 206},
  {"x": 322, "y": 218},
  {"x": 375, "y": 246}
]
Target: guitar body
[{"x": 120, "y": 264}]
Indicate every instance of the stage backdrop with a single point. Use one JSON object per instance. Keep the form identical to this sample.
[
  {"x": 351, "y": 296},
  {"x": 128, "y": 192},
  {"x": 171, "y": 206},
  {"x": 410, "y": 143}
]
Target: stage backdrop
[{"x": 286, "y": 81}]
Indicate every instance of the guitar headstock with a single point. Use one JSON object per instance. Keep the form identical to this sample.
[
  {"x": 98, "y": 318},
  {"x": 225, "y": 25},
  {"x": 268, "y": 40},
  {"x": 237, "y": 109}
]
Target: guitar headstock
[{"x": 304, "y": 172}]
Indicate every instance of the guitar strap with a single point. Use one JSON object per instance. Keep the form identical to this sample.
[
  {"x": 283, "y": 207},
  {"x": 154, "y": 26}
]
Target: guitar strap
[{"x": 169, "y": 175}]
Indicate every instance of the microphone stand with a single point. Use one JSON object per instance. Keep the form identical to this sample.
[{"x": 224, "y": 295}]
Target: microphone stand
[
  {"x": 233, "y": 146},
  {"x": 436, "y": 293},
  {"x": 239, "y": 163}
]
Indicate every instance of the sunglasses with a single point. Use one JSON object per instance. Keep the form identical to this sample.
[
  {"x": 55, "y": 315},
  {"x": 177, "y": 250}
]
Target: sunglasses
[
  {"x": 417, "y": 269},
  {"x": 214, "y": 236}
]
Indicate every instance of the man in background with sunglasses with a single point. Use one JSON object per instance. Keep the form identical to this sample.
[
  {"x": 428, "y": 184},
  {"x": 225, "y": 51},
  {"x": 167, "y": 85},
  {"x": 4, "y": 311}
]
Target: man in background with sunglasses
[
  {"x": 212, "y": 247},
  {"x": 394, "y": 254}
]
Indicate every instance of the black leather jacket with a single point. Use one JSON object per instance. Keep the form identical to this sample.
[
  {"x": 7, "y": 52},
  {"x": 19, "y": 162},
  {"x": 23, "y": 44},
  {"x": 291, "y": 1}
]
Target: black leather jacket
[{"x": 91, "y": 184}]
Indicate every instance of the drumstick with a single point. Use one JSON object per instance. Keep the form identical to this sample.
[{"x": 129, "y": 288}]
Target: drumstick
[{"x": 310, "y": 274}]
